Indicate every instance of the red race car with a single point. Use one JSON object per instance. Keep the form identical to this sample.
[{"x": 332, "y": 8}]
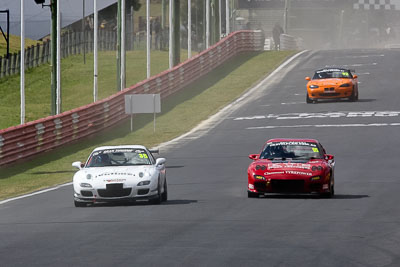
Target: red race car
[{"x": 299, "y": 166}]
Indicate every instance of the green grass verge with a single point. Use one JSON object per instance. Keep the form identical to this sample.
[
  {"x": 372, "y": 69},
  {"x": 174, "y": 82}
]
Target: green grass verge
[
  {"x": 180, "y": 113},
  {"x": 15, "y": 44}
]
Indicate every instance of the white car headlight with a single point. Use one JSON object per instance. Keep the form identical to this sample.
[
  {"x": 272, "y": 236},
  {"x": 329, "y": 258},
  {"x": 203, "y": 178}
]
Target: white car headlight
[
  {"x": 85, "y": 185},
  {"x": 143, "y": 183}
]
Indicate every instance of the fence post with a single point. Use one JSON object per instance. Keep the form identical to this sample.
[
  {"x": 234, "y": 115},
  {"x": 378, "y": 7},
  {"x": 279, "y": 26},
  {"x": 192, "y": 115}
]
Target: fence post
[
  {"x": 46, "y": 59},
  {"x": 13, "y": 63},
  {"x": 79, "y": 35},
  {"x": 42, "y": 54},
  {"x": 8, "y": 66},
  {"x": 69, "y": 43},
  {"x": 18, "y": 65},
  {"x": 62, "y": 46},
  {"x": 37, "y": 54},
  {"x": 3, "y": 69},
  {"x": 101, "y": 40},
  {"x": 27, "y": 55},
  {"x": 32, "y": 56},
  {"x": 26, "y": 51}
]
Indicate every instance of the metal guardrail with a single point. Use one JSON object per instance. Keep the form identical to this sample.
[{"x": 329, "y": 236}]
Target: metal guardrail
[{"x": 33, "y": 138}]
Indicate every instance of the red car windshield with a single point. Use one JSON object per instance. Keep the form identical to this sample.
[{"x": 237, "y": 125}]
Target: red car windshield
[{"x": 292, "y": 150}]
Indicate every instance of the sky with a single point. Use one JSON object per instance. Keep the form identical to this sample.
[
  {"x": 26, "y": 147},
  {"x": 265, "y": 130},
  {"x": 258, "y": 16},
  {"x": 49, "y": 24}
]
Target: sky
[{"x": 37, "y": 19}]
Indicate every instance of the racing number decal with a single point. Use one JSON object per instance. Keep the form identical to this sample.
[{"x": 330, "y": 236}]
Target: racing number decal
[{"x": 143, "y": 156}]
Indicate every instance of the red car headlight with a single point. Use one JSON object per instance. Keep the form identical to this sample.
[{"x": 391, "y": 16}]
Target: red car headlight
[
  {"x": 259, "y": 177},
  {"x": 314, "y": 168}
]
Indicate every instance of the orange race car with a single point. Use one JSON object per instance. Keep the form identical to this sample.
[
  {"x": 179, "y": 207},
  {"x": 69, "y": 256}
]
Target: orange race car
[{"x": 332, "y": 83}]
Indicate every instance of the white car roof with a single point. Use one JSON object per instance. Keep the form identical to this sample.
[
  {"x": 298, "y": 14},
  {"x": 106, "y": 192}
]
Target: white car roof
[{"x": 119, "y": 147}]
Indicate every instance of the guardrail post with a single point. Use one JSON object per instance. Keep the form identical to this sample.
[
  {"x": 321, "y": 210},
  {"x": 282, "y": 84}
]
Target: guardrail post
[
  {"x": 58, "y": 130},
  {"x": 40, "y": 130},
  {"x": 1, "y": 146},
  {"x": 75, "y": 127}
]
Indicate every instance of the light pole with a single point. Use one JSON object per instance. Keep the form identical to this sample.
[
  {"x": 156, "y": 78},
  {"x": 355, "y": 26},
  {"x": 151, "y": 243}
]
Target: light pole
[
  {"x": 22, "y": 64},
  {"x": 207, "y": 23},
  {"x": 119, "y": 46},
  {"x": 148, "y": 29},
  {"x": 53, "y": 37},
  {"x": 285, "y": 16},
  {"x": 96, "y": 26},
  {"x": 189, "y": 29},
  {"x": 227, "y": 17}
]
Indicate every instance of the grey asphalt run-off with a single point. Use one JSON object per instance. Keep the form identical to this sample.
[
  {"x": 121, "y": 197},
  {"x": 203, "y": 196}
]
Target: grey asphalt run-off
[{"x": 209, "y": 221}]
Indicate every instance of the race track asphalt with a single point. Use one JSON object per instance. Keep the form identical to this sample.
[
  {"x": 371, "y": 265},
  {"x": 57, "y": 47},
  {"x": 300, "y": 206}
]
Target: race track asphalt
[{"x": 208, "y": 219}]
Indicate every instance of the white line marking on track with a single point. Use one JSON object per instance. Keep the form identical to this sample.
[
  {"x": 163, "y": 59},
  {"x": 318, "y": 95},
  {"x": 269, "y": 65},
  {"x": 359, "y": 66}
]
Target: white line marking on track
[
  {"x": 35, "y": 193},
  {"x": 292, "y": 103},
  {"x": 363, "y": 56},
  {"x": 325, "y": 125},
  {"x": 333, "y": 114},
  {"x": 360, "y": 65}
]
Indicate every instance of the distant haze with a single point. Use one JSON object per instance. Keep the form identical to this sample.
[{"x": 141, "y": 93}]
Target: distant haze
[{"x": 38, "y": 19}]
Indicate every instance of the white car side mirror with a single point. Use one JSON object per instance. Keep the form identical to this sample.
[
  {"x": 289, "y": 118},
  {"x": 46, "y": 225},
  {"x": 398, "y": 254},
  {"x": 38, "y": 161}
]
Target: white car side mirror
[
  {"x": 77, "y": 164},
  {"x": 160, "y": 161}
]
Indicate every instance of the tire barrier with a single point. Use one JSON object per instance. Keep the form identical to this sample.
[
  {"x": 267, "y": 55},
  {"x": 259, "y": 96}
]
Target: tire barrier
[
  {"x": 35, "y": 137},
  {"x": 288, "y": 42}
]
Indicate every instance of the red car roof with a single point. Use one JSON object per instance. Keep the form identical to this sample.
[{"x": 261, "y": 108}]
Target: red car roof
[{"x": 292, "y": 139}]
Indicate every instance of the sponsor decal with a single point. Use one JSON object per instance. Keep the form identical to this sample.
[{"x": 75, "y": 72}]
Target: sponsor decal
[
  {"x": 315, "y": 149},
  {"x": 289, "y": 165},
  {"x": 293, "y": 143},
  {"x": 298, "y": 173},
  {"x": 115, "y": 173},
  {"x": 114, "y": 180},
  {"x": 330, "y": 70},
  {"x": 274, "y": 173}
]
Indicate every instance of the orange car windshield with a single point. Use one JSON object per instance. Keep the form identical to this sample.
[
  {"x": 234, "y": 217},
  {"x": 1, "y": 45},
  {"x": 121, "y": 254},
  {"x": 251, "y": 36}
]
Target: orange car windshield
[{"x": 331, "y": 74}]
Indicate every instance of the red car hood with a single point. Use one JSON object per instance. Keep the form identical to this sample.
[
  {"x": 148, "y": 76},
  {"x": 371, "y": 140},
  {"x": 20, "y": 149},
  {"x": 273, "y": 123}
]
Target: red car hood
[{"x": 277, "y": 169}]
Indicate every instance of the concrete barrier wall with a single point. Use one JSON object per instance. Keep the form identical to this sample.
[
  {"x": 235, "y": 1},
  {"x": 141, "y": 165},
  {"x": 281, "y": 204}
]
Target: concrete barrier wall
[{"x": 38, "y": 136}]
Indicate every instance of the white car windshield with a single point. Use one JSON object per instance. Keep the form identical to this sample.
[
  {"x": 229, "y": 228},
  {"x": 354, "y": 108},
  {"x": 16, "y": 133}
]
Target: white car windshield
[
  {"x": 119, "y": 157},
  {"x": 293, "y": 150}
]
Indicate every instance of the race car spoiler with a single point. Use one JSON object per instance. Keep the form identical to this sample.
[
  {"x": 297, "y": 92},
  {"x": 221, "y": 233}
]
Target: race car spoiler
[{"x": 154, "y": 151}]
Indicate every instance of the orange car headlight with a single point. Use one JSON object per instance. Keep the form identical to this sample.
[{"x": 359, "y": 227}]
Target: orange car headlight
[
  {"x": 345, "y": 85},
  {"x": 314, "y": 86}
]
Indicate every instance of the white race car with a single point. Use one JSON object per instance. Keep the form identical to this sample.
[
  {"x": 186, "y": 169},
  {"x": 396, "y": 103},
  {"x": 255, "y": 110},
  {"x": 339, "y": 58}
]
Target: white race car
[{"x": 120, "y": 173}]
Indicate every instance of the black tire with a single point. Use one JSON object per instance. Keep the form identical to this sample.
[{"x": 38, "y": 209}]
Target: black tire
[
  {"x": 252, "y": 195},
  {"x": 353, "y": 96},
  {"x": 164, "y": 196},
  {"x": 80, "y": 204},
  {"x": 331, "y": 192},
  {"x": 158, "y": 199},
  {"x": 308, "y": 99}
]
